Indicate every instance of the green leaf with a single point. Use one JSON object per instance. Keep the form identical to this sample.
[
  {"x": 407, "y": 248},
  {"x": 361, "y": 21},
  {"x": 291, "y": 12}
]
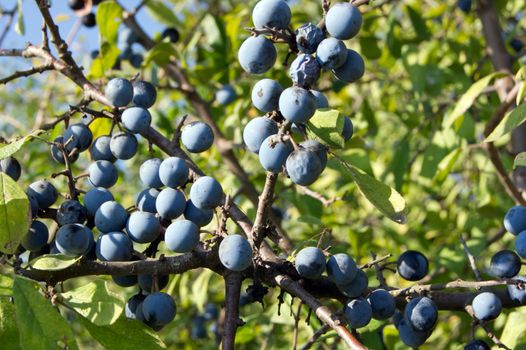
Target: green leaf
[
  {"x": 124, "y": 335},
  {"x": 41, "y": 327},
  {"x": 105, "y": 61},
  {"x": 520, "y": 160},
  {"x": 326, "y": 126},
  {"x": 20, "y": 27},
  {"x": 510, "y": 121},
  {"x": 12, "y": 147},
  {"x": 520, "y": 93},
  {"x": 52, "y": 262},
  {"x": 109, "y": 17},
  {"x": 200, "y": 289},
  {"x": 8, "y": 330},
  {"x": 161, "y": 12},
  {"x": 383, "y": 197},
  {"x": 515, "y": 329},
  {"x": 467, "y": 99},
  {"x": 15, "y": 217},
  {"x": 160, "y": 54},
  {"x": 6, "y": 285},
  {"x": 95, "y": 302},
  {"x": 418, "y": 23}
]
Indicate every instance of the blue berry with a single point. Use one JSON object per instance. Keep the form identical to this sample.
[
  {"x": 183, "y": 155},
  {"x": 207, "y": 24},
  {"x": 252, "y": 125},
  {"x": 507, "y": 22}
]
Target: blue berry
[
  {"x": 505, "y": 264},
  {"x": 123, "y": 145},
  {"x": 57, "y": 154},
  {"x": 331, "y": 53},
  {"x": 235, "y": 253},
  {"x": 321, "y": 100},
  {"x": 197, "y": 137},
  {"x": 110, "y": 216},
  {"x": 102, "y": 174},
  {"x": 356, "y": 287},
  {"x": 36, "y": 238},
  {"x": 171, "y": 33},
  {"x": 308, "y": 37},
  {"x": 297, "y": 104},
  {"x": 170, "y": 203},
  {"x": 77, "y": 136},
  {"x": 100, "y": 149},
  {"x": 421, "y": 313},
  {"x": 73, "y": 239},
  {"x": 158, "y": 309},
  {"x": 182, "y": 236},
  {"x": 318, "y": 148},
  {"x": 146, "y": 200},
  {"x": 410, "y": 336},
  {"x": 382, "y": 303},
  {"x": 71, "y": 212},
  {"x": 348, "y": 128},
  {"x": 198, "y": 328},
  {"x": 149, "y": 173},
  {"x": 173, "y": 172},
  {"x": 303, "y": 167},
  {"x": 515, "y": 219},
  {"x": 353, "y": 68},
  {"x": 225, "y": 95},
  {"x": 114, "y": 246},
  {"x": 520, "y": 244},
  {"x": 265, "y": 95},
  {"x": 200, "y": 217},
  {"x": 146, "y": 282},
  {"x": 95, "y": 197},
  {"x": 256, "y": 131},
  {"x": 518, "y": 292},
  {"x": 271, "y": 13},
  {"x": 143, "y": 227},
  {"x": 273, "y": 153},
  {"x": 119, "y": 92},
  {"x": 341, "y": 268},
  {"x": 343, "y": 21},
  {"x": 206, "y": 193},
  {"x": 310, "y": 262},
  {"x": 464, "y": 5},
  {"x": 10, "y": 167},
  {"x": 44, "y": 192},
  {"x": 257, "y": 54},
  {"x": 144, "y": 93},
  {"x": 125, "y": 281},
  {"x": 358, "y": 312},
  {"x": 33, "y": 204},
  {"x": 130, "y": 308},
  {"x": 304, "y": 70},
  {"x": 136, "y": 119},
  {"x": 412, "y": 265},
  {"x": 486, "y": 306}
]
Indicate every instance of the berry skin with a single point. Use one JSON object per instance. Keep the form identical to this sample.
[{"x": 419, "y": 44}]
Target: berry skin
[
  {"x": 331, "y": 53},
  {"x": 73, "y": 239},
  {"x": 171, "y": 33},
  {"x": 57, "y": 155},
  {"x": 33, "y": 204},
  {"x": 123, "y": 145},
  {"x": 110, "y": 216},
  {"x": 257, "y": 54},
  {"x": 464, "y": 5},
  {"x": 517, "y": 293},
  {"x": 36, "y": 238},
  {"x": 181, "y": 236},
  {"x": 95, "y": 197},
  {"x": 318, "y": 148},
  {"x": 477, "y": 345},
  {"x": 321, "y": 100},
  {"x": 206, "y": 193},
  {"x": 421, "y": 313},
  {"x": 304, "y": 167},
  {"x": 125, "y": 281},
  {"x": 297, "y": 104},
  {"x": 304, "y": 70},
  {"x": 144, "y": 93},
  {"x": 200, "y": 217},
  {"x": 271, "y": 13},
  {"x": 11, "y": 167},
  {"x": 412, "y": 265},
  {"x": 76, "y": 4},
  {"x": 77, "y": 136},
  {"x": 170, "y": 203},
  {"x": 136, "y": 119},
  {"x": 130, "y": 308},
  {"x": 353, "y": 68},
  {"x": 44, "y": 192},
  {"x": 71, "y": 212},
  {"x": 348, "y": 129},
  {"x": 173, "y": 172},
  {"x": 310, "y": 262},
  {"x": 356, "y": 287},
  {"x": 114, "y": 246},
  {"x": 235, "y": 253},
  {"x": 410, "y": 336},
  {"x": 197, "y": 137},
  {"x": 273, "y": 153},
  {"x": 486, "y": 306},
  {"x": 89, "y": 20},
  {"x": 343, "y": 21},
  {"x": 358, "y": 312},
  {"x": 341, "y": 268},
  {"x": 146, "y": 200},
  {"x": 265, "y": 95},
  {"x": 102, "y": 174},
  {"x": 149, "y": 173},
  {"x": 146, "y": 282},
  {"x": 158, "y": 309},
  {"x": 143, "y": 227},
  {"x": 515, "y": 219},
  {"x": 256, "y": 131},
  {"x": 119, "y": 92},
  {"x": 520, "y": 244},
  {"x": 308, "y": 37},
  {"x": 100, "y": 149},
  {"x": 505, "y": 264},
  {"x": 382, "y": 304},
  {"x": 225, "y": 95}
]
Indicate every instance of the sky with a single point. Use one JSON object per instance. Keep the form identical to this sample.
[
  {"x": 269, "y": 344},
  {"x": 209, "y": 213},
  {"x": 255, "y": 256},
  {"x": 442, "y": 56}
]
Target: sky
[{"x": 86, "y": 39}]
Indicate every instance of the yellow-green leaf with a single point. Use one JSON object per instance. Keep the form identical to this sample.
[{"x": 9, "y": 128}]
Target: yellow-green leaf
[
  {"x": 8, "y": 330},
  {"x": 514, "y": 331},
  {"x": 520, "y": 160},
  {"x": 160, "y": 54},
  {"x": 12, "y": 147},
  {"x": 52, "y": 262},
  {"x": 326, "y": 126},
  {"x": 109, "y": 17},
  {"x": 14, "y": 214},
  {"x": 510, "y": 121}
]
